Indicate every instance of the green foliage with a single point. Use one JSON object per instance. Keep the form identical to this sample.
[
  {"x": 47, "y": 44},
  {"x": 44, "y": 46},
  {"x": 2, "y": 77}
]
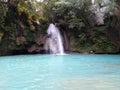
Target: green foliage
[
  {"x": 33, "y": 8},
  {"x": 7, "y": 27},
  {"x": 19, "y": 19},
  {"x": 70, "y": 11},
  {"x": 97, "y": 41},
  {"x": 3, "y": 10},
  {"x": 77, "y": 17}
]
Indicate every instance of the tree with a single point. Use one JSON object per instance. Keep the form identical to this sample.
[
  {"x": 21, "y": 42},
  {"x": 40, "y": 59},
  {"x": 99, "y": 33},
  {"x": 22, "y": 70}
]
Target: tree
[{"x": 77, "y": 16}]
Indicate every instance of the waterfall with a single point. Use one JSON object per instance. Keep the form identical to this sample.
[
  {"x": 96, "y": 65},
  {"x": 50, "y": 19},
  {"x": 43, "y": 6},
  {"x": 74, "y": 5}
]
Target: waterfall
[
  {"x": 54, "y": 42},
  {"x": 93, "y": 1}
]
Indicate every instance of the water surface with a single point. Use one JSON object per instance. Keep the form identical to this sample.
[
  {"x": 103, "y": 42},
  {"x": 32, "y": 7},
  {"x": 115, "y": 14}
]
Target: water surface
[{"x": 60, "y": 72}]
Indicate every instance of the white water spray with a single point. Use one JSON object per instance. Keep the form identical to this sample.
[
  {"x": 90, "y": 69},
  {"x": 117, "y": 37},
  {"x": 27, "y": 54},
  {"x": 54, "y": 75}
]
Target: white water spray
[
  {"x": 93, "y": 1},
  {"x": 54, "y": 42}
]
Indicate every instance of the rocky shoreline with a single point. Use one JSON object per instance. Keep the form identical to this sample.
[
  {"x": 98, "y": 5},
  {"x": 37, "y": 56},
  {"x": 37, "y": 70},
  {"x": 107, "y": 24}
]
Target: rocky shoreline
[{"x": 25, "y": 52}]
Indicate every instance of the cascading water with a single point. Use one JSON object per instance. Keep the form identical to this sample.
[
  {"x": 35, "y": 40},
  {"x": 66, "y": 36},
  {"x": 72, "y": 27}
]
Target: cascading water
[{"x": 54, "y": 42}]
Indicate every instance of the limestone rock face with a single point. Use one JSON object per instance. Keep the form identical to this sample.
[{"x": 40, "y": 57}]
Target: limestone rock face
[
  {"x": 20, "y": 39},
  {"x": 38, "y": 47},
  {"x": 41, "y": 39}
]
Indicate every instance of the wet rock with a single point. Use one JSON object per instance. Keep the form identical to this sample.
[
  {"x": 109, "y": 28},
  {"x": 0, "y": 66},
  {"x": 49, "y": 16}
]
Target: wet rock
[{"x": 20, "y": 39}]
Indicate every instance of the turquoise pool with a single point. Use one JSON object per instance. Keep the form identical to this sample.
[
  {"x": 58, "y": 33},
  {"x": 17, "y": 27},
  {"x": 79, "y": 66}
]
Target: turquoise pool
[{"x": 54, "y": 72}]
